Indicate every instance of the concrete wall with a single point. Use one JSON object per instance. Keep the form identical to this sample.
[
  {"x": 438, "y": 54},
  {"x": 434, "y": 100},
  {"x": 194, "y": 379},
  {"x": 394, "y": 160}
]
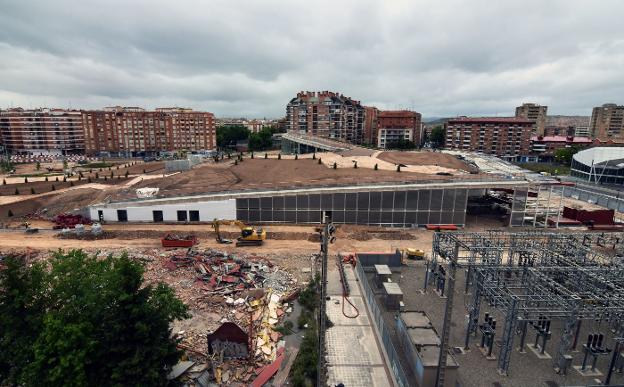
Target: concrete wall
[{"x": 222, "y": 209}]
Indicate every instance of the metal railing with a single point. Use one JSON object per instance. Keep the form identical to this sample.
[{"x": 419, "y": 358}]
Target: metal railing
[{"x": 384, "y": 332}]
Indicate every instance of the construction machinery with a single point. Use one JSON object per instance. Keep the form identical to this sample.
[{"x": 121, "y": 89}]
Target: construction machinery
[
  {"x": 249, "y": 236},
  {"x": 413, "y": 254}
]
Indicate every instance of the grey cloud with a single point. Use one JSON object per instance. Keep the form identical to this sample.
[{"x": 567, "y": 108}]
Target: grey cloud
[{"x": 250, "y": 57}]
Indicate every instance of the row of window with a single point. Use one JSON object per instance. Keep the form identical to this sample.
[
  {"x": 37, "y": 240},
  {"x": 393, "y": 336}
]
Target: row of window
[{"x": 157, "y": 216}]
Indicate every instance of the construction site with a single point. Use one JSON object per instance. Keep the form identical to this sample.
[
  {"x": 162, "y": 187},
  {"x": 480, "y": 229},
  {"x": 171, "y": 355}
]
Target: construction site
[{"x": 415, "y": 288}]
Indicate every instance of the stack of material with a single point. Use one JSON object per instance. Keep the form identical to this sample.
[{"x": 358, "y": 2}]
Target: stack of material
[{"x": 69, "y": 221}]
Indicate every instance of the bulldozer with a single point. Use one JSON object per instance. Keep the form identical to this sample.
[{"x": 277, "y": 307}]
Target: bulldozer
[{"x": 249, "y": 235}]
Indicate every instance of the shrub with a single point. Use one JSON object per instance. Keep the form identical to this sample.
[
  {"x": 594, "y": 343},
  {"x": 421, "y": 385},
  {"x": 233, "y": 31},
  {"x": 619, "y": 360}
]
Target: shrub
[
  {"x": 16, "y": 191},
  {"x": 32, "y": 190},
  {"x": 64, "y": 179},
  {"x": 376, "y": 167},
  {"x": 279, "y": 156},
  {"x": 398, "y": 168},
  {"x": 56, "y": 179},
  {"x": 53, "y": 187},
  {"x": 335, "y": 165},
  {"x": 46, "y": 178},
  {"x": 266, "y": 155},
  {"x": 10, "y": 214},
  {"x": 71, "y": 183},
  {"x": 3, "y": 182},
  {"x": 25, "y": 180},
  {"x": 355, "y": 165},
  {"x": 320, "y": 162},
  {"x": 296, "y": 156}
]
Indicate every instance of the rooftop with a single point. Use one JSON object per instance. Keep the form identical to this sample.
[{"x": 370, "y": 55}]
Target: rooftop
[{"x": 513, "y": 120}]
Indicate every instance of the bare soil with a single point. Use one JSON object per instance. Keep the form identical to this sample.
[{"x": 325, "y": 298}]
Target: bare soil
[{"x": 426, "y": 158}]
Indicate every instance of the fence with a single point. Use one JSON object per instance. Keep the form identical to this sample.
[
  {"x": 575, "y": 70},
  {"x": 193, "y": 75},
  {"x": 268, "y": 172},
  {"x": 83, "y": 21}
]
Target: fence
[
  {"x": 393, "y": 356},
  {"x": 602, "y": 199}
]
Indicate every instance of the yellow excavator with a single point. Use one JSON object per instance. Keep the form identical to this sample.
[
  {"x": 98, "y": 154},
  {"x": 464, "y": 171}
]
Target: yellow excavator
[
  {"x": 413, "y": 254},
  {"x": 249, "y": 235}
]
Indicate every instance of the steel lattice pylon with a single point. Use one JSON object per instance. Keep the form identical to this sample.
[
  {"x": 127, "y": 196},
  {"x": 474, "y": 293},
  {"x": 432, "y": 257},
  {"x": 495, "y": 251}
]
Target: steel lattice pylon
[{"x": 565, "y": 276}]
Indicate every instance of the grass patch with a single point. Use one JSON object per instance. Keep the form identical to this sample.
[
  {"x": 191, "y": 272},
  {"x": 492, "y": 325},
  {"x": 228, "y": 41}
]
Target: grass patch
[
  {"x": 553, "y": 169},
  {"x": 96, "y": 165},
  {"x": 304, "y": 370},
  {"x": 37, "y": 174}
]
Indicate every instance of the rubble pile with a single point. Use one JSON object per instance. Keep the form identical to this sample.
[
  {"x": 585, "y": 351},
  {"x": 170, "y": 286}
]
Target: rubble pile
[{"x": 247, "y": 290}]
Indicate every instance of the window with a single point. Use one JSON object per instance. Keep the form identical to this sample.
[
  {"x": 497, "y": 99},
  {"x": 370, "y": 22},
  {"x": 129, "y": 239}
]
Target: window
[
  {"x": 181, "y": 216},
  {"x": 194, "y": 216},
  {"x": 157, "y": 215},
  {"x": 122, "y": 215}
]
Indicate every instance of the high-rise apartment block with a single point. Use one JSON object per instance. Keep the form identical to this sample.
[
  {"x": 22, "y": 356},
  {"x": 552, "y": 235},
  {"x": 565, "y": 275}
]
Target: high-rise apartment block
[
  {"x": 607, "y": 122},
  {"x": 506, "y": 137},
  {"x": 398, "y": 124},
  {"x": 326, "y": 114},
  {"x": 42, "y": 131},
  {"x": 134, "y": 131},
  {"x": 535, "y": 113}
]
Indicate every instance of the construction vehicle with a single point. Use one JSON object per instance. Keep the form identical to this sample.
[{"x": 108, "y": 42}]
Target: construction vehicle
[
  {"x": 249, "y": 236},
  {"x": 413, "y": 254}
]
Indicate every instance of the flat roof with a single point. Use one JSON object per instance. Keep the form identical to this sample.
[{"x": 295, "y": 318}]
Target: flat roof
[
  {"x": 392, "y": 288},
  {"x": 415, "y": 319},
  {"x": 383, "y": 269}
]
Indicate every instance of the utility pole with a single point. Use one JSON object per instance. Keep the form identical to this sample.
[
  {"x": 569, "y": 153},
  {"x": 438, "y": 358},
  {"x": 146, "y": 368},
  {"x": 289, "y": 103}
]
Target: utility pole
[
  {"x": 448, "y": 311},
  {"x": 326, "y": 238}
]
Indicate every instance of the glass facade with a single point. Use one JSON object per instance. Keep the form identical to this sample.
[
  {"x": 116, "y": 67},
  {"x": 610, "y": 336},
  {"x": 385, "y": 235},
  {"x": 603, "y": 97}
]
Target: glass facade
[{"x": 385, "y": 208}]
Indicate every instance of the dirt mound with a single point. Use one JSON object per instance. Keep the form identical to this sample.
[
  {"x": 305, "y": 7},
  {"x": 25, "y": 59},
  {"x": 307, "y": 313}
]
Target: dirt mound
[{"x": 426, "y": 158}]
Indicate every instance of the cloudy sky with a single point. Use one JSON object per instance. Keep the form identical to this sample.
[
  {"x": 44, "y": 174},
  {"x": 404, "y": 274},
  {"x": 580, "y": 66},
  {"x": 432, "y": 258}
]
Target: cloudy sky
[{"x": 248, "y": 58}]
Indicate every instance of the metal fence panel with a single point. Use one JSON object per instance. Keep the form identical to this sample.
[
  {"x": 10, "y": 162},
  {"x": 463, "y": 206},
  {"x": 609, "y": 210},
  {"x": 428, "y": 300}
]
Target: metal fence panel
[{"x": 393, "y": 357}]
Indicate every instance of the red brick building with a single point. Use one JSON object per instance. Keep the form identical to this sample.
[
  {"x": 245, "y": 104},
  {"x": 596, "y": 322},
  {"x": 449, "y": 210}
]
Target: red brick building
[
  {"x": 399, "y": 122},
  {"x": 370, "y": 125},
  {"x": 506, "y": 137},
  {"x": 545, "y": 146},
  {"x": 326, "y": 114},
  {"x": 132, "y": 131},
  {"x": 41, "y": 131}
]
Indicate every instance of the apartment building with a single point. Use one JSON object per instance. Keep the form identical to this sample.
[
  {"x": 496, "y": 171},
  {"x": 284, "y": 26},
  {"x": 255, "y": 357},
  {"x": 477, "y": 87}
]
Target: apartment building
[
  {"x": 386, "y": 138},
  {"x": 607, "y": 122},
  {"x": 544, "y": 147},
  {"x": 370, "y": 124},
  {"x": 326, "y": 114},
  {"x": 396, "y": 121},
  {"x": 506, "y": 137},
  {"x": 41, "y": 131},
  {"x": 132, "y": 131},
  {"x": 535, "y": 113}
]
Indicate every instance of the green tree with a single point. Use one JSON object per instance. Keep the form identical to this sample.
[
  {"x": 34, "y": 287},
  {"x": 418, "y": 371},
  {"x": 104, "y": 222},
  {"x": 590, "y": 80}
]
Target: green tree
[
  {"x": 228, "y": 135},
  {"x": 85, "y": 321},
  {"x": 564, "y": 155},
  {"x": 263, "y": 139},
  {"x": 402, "y": 144},
  {"x": 438, "y": 137},
  {"x": 38, "y": 165}
]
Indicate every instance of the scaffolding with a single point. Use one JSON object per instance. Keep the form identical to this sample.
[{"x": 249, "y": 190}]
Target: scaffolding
[{"x": 534, "y": 276}]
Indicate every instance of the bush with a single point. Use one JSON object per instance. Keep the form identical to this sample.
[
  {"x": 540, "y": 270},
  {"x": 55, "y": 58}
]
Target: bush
[
  {"x": 46, "y": 178},
  {"x": 144, "y": 170},
  {"x": 25, "y": 180},
  {"x": 314, "y": 156},
  {"x": 16, "y": 191},
  {"x": 296, "y": 156},
  {"x": 71, "y": 183},
  {"x": 64, "y": 179},
  {"x": 89, "y": 179},
  {"x": 320, "y": 162},
  {"x": 56, "y": 179},
  {"x": 3, "y": 182},
  {"x": 53, "y": 187},
  {"x": 376, "y": 167},
  {"x": 266, "y": 155},
  {"x": 97, "y": 175},
  {"x": 126, "y": 174},
  {"x": 10, "y": 214},
  {"x": 32, "y": 191},
  {"x": 335, "y": 165},
  {"x": 398, "y": 168},
  {"x": 279, "y": 156},
  {"x": 355, "y": 165}
]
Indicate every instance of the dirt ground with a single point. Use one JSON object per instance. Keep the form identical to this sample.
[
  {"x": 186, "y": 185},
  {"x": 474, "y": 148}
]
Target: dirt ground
[
  {"x": 426, "y": 158},
  {"x": 270, "y": 173}
]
